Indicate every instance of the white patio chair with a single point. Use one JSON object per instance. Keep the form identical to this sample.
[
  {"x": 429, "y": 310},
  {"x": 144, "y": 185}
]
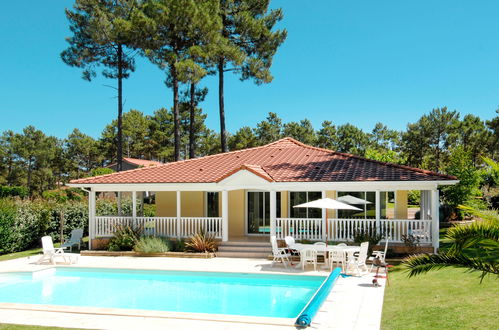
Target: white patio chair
[
  {"x": 75, "y": 239},
  {"x": 359, "y": 262},
  {"x": 279, "y": 253},
  {"x": 381, "y": 255},
  {"x": 290, "y": 241},
  {"x": 342, "y": 244},
  {"x": 50, "y": 253},
  {"x": 322, "y": 253},
  {"x": 308, "y": 256},
  {"x": 337, "y": 256}
]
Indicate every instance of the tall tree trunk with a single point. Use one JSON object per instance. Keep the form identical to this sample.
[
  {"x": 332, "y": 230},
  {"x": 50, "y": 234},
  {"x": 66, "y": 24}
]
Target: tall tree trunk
[
  {"x": 176, "y": 115},
  {"x": 223, "y": 133},
  {"x": 192, "y": 118},
  {"x": 120, "y": 109}
]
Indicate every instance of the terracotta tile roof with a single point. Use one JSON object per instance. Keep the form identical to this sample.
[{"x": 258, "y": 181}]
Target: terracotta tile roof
[
  {"x": 285, "y": 160},
  {"x": 141, "y": 162}
]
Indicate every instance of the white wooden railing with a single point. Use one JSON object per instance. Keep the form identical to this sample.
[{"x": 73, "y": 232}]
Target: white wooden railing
[
  {"x": 160, "y": 226},
  {"x": 344, "y": 229},
  {"x": 309, "y": 229}
]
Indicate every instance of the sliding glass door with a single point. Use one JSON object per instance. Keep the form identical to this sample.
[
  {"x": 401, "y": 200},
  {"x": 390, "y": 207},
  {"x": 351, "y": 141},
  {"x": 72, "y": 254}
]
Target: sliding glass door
[{"x": 258, "y": 211}]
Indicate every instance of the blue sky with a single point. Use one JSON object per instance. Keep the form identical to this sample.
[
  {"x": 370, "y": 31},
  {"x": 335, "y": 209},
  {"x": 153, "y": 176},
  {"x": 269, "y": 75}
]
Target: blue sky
[{"x": 345, "y": 61}]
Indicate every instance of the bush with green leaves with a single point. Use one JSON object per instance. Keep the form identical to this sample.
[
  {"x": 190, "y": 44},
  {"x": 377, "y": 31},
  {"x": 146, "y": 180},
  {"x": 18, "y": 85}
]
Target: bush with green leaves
[
  {"x": 125, "y": 238},
  {"x": 13, "y": 191},
  {"x": 22, "y": 223},
  {"x": 151, "y": 244},
  {"x": 109, "y": 207},
  {"x": 64, "y": 195}
]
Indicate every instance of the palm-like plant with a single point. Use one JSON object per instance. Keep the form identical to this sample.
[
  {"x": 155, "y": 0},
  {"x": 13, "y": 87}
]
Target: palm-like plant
[
  {"x": 201, "y": 242},
  {"x": 474, "y": 246}
]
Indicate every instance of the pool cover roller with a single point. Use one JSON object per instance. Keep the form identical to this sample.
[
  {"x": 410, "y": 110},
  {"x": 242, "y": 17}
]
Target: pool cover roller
[{"x": 305, "y": 318}]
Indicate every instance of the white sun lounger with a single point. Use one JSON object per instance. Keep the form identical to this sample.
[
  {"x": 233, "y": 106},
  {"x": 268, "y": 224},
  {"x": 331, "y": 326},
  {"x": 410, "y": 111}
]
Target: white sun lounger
[{"x": 50, "y": 253}]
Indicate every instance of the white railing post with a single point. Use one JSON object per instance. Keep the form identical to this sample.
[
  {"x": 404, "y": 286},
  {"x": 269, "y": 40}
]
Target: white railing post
[
  {"x": 324, "y": 220},
  {"x": 179, "y": 211},
  {"x": 91, "y": 217},
  {"x": 435, "y": 205},
  {"x": 225, "y": 215},
  {"x": 273, "y": 212},
  {"x": 134, "y": 205},
  {"x": 378, "y": 211}
]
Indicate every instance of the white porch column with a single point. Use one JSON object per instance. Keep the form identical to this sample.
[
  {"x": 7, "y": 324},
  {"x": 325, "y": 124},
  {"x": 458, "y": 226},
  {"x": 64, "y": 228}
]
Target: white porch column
[
  {"x": 324, "y": 219},
  {"x": 377, "y": 201},
  {"x": 225, "y": 215},
  {"x": 91, "y": 217},
  {"x": 179, "y": 211},
  {"x": 435, "y": 219},
  {"x": 273, "y": 212},
  {"x": 134, "y": 205}
]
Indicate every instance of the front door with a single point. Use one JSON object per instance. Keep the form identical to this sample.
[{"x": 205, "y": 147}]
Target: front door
[{"x": 258, "y": 212}]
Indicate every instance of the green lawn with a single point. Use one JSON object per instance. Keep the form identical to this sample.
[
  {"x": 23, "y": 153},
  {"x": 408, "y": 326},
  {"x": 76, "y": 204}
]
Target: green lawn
[
  {"x": 21, "y": 254},
  {"x": 444, "y": 299},
  {"x": 449, "y": 298}
]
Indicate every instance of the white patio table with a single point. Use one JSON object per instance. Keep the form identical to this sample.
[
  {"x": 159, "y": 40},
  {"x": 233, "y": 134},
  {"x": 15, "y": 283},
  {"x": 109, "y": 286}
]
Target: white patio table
[{"x": 349, "y": 249}]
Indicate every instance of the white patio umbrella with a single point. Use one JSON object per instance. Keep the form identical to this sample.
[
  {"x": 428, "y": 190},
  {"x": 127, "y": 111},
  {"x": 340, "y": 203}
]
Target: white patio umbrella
[
  {"x": 349, "y": 199},
  {"x": 328, "y": 203}
]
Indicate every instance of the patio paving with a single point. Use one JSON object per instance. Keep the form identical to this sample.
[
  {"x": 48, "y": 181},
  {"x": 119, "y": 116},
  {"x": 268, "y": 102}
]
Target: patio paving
[{"x": 353, "y": 303}]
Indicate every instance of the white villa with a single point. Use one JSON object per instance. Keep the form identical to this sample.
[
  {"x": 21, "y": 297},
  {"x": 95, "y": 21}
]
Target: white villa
[{"x": 249, "y": 194}]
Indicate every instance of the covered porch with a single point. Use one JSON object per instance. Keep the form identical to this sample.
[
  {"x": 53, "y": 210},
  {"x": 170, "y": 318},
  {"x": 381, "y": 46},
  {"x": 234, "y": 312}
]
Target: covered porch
[{"x": 251, "y": 214}]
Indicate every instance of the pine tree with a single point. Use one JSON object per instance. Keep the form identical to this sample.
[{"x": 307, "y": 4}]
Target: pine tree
[
  {"x": 103, "y": 36},
  {"x": 249, "y": 48},
  {"x": 181, "y": 32}
]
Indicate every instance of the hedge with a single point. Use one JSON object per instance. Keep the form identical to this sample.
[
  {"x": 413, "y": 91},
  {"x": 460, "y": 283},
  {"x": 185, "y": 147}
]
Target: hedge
[{"x": 24, "y": 222}]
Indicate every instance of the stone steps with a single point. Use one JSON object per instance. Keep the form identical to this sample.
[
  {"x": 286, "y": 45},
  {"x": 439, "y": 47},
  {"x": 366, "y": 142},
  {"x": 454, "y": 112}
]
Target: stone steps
[{"x": 244, "y": 249}]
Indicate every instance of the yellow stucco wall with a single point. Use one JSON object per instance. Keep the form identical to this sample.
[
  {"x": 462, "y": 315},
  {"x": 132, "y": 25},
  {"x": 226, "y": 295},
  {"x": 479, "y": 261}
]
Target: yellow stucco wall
[
  {"x": 166, "y": 204},
  {"x": 237, "y": 200},
  {"x": 401, "y": 204},
  {"x": 192, "y": 204}
]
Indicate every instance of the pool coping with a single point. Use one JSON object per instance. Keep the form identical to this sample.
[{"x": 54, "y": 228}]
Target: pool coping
[{"x": 229, "y": 318}]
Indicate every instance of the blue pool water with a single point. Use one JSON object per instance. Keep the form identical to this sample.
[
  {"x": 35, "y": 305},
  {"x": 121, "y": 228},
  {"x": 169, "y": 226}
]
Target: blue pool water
[{"x": 175, "y": 291}]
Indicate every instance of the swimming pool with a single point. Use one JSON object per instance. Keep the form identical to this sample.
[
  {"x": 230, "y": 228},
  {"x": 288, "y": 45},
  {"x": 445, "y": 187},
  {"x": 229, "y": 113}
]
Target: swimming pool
[{"x": 263, "y": 295}]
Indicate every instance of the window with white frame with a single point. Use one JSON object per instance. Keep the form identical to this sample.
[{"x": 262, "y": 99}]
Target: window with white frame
[{"x": 300, "y": 197}]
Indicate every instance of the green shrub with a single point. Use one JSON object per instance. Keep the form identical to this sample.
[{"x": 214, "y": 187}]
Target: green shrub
[
  {"x": 414, "y": 197},
  {"x": 124, "y": 238},
  {"x": 151, "y": 244},
  {"x": 177, "y": 245},
  {"x": 75, "y": 216},
  {"x": 22, "y": 224},
  {"x": 64, "y": 195},
  {"x": 109, "y": 207},
  {"x": 12, "y": 191}
]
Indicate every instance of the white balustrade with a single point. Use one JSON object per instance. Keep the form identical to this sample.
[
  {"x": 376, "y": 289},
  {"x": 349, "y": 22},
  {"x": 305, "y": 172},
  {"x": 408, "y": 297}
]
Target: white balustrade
[
  {"x": 308, "y": 229},
  {"x": 394, "y": 229},
  {"x": 344, "y": 229},
  {"x": 160, "y": 226}
]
